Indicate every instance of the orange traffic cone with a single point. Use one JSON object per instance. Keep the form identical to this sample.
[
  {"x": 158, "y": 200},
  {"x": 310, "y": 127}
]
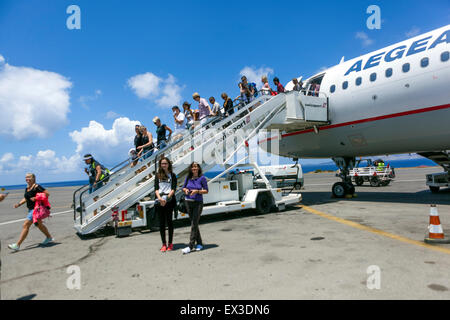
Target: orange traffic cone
[{"x": 436, "y": 234}]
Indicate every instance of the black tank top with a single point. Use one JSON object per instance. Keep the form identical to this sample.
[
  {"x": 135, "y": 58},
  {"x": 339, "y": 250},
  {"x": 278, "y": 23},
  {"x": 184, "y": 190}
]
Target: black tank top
[
  {"x": 145, "y": 140},
  {"x": 138, "y": 141}
]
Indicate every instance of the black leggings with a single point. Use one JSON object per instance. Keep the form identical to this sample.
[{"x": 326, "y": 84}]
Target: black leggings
[{"x": 165, "y": 214}]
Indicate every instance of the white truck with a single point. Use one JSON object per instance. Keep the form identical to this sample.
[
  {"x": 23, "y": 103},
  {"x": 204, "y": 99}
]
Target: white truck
[
  {"x": 435, "y": 181},
  {"x": 367, "y": 171}
]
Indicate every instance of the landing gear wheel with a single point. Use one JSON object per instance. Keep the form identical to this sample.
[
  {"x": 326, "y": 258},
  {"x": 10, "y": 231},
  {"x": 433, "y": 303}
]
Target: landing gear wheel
[
  {"x": 350, "y": 188},
  {"x": 374, "y": 182},
  {"x": 359, "y": 181},
  {"x": 339, "y": 190},
  {"x": 434, "y": 189},
  {"x": 385, "y": 183}
]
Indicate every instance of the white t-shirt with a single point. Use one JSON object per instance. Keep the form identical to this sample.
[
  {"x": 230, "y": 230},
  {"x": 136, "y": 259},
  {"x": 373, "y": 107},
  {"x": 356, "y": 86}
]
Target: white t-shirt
[
  {"x": 181, "y": 126},
  {"x": 216, "y": 108}
]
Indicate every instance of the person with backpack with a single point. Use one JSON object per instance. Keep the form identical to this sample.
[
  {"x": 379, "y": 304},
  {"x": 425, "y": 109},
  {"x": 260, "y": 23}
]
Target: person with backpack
[
  {"x": 97, "y": 173},
  {"x": 31, "y": 192},
  {"x": 251, "y": 87}
]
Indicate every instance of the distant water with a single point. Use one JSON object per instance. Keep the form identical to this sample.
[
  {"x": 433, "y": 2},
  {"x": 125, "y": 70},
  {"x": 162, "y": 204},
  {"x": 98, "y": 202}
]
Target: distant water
[
  {"x": 211, "y": 174},
  {"x": 51, "y": 184}
]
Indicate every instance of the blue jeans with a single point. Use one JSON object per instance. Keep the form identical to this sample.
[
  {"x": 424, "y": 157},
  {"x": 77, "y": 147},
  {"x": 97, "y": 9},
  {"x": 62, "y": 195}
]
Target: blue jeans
[
  {"x": 162, "y": 144},
  {"x": 30, "y": 215},
  {"x": 97, "y": 186},
  {"x": 147, "y": 153}
]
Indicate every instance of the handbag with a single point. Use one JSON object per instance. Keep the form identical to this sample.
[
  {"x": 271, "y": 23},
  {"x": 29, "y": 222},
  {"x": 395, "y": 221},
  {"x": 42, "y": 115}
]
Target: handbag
[
  {"x": 41, "y": 212},
  {"x": 182, "y": 205}
]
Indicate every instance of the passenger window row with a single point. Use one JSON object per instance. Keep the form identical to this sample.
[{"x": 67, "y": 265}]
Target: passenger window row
[{"x": 388, "y": 73}]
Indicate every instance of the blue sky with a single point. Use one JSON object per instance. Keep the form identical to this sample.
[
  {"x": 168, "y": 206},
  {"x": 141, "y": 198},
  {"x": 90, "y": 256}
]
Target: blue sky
[{"x": 187, "y": 46}]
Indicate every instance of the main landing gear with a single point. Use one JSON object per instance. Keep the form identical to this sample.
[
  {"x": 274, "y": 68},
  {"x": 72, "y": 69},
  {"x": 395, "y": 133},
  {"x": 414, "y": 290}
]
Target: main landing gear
[{"x": 346, "y": 187}]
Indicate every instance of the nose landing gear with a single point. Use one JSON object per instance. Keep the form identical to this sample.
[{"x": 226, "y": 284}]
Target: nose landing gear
[{"x": 346, "y": 187}]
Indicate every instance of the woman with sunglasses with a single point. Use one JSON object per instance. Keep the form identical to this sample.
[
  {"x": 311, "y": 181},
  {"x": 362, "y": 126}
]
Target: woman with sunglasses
[
  {"x": 195, "y": 186},
  {"x": 165, "y": 187}
]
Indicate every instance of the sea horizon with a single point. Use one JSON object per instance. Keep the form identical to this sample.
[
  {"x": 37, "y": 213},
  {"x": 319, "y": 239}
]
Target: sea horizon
[{"x": 307, "y": 168}]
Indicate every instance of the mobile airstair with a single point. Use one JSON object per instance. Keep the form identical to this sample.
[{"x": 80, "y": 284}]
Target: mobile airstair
[{"x": 217, "y": 142}]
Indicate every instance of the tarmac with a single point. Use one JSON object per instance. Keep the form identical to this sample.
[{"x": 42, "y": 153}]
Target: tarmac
[{"x": 368, "y": 247}]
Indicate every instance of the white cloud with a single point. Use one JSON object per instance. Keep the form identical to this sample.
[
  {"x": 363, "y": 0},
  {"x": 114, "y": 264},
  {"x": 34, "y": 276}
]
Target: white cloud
[
  {"x": 7, "y": 157},
  {"x": 413, "y": 32},
  {"x": 171, "y": 93},
  {"x": 85, "y": 99},
  {"x": 2, "y": 60},
  {"x": 145, "y": 85},
  {"x": 365, "y": 40},
  {"x": 112, "y": 115},
  {"x": 254, "y": 75},
  {"x": 27, "y": 97},
  {"x": 44, "y": 161},
  {"x": 164, "y": 92},
  {"x": 109, "y": 146}
]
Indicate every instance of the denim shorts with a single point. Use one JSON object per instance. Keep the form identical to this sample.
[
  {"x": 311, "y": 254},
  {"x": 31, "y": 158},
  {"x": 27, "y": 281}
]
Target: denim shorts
[{"x": 30, "y": 215}]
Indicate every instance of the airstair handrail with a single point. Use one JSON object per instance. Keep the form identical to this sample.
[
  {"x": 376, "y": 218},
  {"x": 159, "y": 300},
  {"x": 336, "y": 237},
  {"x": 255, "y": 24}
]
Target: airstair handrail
[{"x": 87, "y": 185}]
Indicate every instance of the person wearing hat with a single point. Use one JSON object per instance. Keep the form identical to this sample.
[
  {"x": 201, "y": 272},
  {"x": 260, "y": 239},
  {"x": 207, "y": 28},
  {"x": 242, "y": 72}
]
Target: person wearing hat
[
  {"x": 96, "y": 172},
  {"x": 204, "y": 110},
  {"x": 188, "y": 114},
  {"x": 161, "y": 139},
  {"x": 134, "y": 158}
]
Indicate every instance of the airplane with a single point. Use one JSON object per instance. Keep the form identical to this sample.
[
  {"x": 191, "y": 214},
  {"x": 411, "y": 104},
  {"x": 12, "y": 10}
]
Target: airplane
[{"x": 389, "y": 101}]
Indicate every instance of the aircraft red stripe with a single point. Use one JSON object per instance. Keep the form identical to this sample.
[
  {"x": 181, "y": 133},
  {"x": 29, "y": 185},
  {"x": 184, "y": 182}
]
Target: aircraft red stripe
[{"x": 389, "y": 116}]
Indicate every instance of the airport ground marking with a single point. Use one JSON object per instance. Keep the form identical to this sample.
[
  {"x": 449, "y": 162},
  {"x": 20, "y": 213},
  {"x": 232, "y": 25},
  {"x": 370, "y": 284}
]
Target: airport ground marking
[
  {"x": 374, "y": 230},
  {"x": 20, "y": 220}
]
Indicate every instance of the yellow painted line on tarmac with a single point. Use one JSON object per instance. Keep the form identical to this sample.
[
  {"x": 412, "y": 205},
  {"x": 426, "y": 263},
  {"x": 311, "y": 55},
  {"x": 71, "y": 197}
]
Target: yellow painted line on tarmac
[{"x": 374, "y": 230}]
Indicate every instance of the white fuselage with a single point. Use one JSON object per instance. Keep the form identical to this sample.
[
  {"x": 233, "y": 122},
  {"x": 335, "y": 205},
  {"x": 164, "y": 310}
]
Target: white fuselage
[{"x": 408, "y": 111}]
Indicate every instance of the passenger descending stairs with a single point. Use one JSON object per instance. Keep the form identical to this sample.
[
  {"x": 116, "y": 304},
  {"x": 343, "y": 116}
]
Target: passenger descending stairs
[{"x": 209, "y": 145}]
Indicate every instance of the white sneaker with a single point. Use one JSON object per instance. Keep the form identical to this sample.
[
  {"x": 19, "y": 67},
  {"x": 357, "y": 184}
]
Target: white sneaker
[
  {"x": 14, "y": 247},
  {"x": 47, "y": 241},
  {"x": 186, "y": 250}
]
